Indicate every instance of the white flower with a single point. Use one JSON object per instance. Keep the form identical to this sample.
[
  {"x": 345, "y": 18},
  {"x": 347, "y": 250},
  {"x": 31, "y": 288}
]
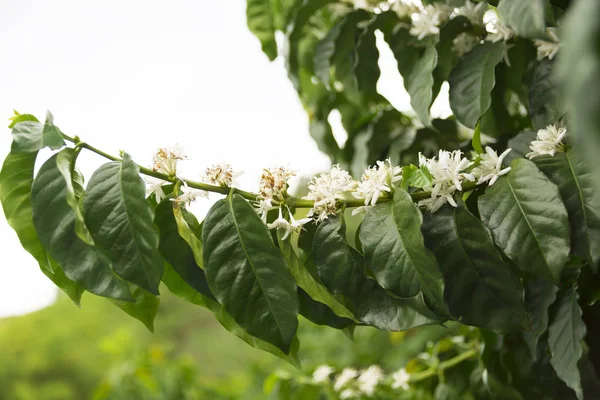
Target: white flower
[
  {"x": 289, "y": 226},
  {"x": 188, "y": 195},
  {"x": 498, "y": 31},
  {"x": 273, "y": 183},
  {"x": 346, "y": 376},
  {"x": 549, "y": 141},
  {"x": 220, "y": 175},
  {"x": 490, "y": 167},
  {"x": 349, "y": 394},
  {"x": 263, "y": 208},
  {"x": 366, "y": 4},
  {"x": 155, "y": 187},
  {"x": 165, "y": 160},
  {"x": 359, "y": 210},
  {"x": 326, "y": 189},
  {"x": 451, "y": 166},
  {"x": 369, "y": 379},
  {"x": 473, "y": 11},
  {"x": 377, "y": 180},
  {"x": 548, "y": 48},
  {"x": 426, "y": 22},
  {"x": 464, "y": 43},
  {"x": 404, "y": 10},
  {"x": 322, "y": 374},
  {"x": 400, "y": 379}
]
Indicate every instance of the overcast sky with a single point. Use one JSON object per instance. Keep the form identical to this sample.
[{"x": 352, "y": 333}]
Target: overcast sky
[{"x": 137, "y": 75}]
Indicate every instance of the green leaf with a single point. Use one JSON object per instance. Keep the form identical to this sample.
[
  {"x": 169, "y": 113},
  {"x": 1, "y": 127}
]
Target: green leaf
[
  {"x": 565, "y": 333},
  {"x": 520, "y": 145},
  {"x": 143, "y": 308},
  {"x": 476, "y": 142},
  {"x": 120, "y": 222},
  {"x": 311, "y": 286},
  {"x": 546, "y": 101},
  {"x": 575, "y": 183},
  {"x": 339, "y": 267},
  {"x": 471, "y": 264},
  {"x": 30, "y": 136},
  {"x": 54, "y": 222},
  {"x": 247, "y": 273},
  {"x": 21, "y": 118},
  {"x": 260, "y": 20},
  {"x": 177, "y": 251},
  {"x": 579, "y": 70},
  {"x": 69, "y": 287},
  {"x": 366, "y": 68},
  {"x": 526, "y": 18},
  {"x": 181, "y": 289},
  {"x": 320, "y": 314},
  {"x": 417, "y": 177},
  {"x": 444, "y": 391},
  {"x": 395, "y": 251},
  {"x": 472, "y": 81},
  {"x": 539, "y": 296},
  {"x": 528, "y": 220},
  {"x": 190, "y": 230}
]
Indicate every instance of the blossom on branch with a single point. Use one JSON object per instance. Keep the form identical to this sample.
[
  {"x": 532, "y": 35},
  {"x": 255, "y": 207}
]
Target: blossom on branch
[
  {"x": 369, "y": 379},
  {"x": 347, "y": 375},
  {"x": 165, "y": 160},
  {"x": 498, "y": 31},
  {"x": 188, "y": 195},
  {"x": 322, "y": 374},
  {"x": 400, "y": 379},
  {"x": 490, "y": 166},
  {"x": 427, "y": 21},
  {"x": 549, "y": 141},
  {"x": 220, "y": 175},
  {"x": 473, "y": 11},
  {"x": 375, "y": 182},
  {"x": 155, "y": 187},
  {"x": 289, "y": 226},
  {"x": 464, "y": 43},
  {"x": 548, "y": 48},
  {"x": 327, "y": 189}
]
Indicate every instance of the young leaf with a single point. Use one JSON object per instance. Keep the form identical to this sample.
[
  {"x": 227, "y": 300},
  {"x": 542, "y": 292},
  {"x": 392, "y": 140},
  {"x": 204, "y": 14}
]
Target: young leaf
[
  {"x": 395, "y": 251},
  {"x": 120, "y": 222},
  {"x": 476, "y": 142},
  {"x": 471, "y": 264},
  {"x": 190, "y": 230},
  {"x": 339, "y": 267},
  {"x": 54, "y": 222},
  {"x": 565, "y": 333},
  {"x": 575, "y": 183},
  {"x": 247, "y": 273},
  {"x": 20, "y": 118},
  {"x": 31, "y": 136},
  {"x": 143, "y": 307},
  {"x": 177, "y": 251},
  {"x": 546, "y": 104},
  {"x": 526, "y": 18},
  {"x": 260, "y": 20},
  {"x": 539, "y": 296},
  {"x": 472, "y": 81},
  {"x": 528, "y": 220}
]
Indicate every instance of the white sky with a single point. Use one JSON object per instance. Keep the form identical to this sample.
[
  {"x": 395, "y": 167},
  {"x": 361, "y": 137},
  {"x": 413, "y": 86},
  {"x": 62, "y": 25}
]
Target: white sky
[{"x": 137, "y": 75}]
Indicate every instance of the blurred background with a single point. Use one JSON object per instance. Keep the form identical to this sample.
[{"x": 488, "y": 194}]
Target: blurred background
[{"x": 138, "y": 75}]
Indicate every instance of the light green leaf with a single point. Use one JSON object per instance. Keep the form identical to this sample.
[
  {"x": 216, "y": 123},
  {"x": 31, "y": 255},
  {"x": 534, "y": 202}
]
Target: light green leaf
[
  {"x": 143, "y": 307},
  {"x": 546, "y": 102},
  {"x": 311, "y": 286},
  {"x": 565, "y": 333},
  {"x": 471, "y": 264},
  {"x": 539, "y": 296},
  {"x": 247, "y": 273},
  {"x": 528, "y": 220},
  {"x": 21, "y": 118},
  {"x": 30, "y": 136},
  {"x": 417, "y": 177},
  {"x": 476, "y": 142},
  {"x": 189, "y": 229},
  {"x": 575, "y": 183},
  {"x": 54, "y": 222},
  {"x": 395, "y": 251},
  {"x": 120, "y": 222},
  {"x": 526, "y": 18},
  {"x": 472, "y": 81},
  {"x": 260, "y": 20}
]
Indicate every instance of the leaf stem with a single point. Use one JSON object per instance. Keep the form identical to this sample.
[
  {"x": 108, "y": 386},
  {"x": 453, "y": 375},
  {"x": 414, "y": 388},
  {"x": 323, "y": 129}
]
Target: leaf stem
[{"x": 429, "y": 373}]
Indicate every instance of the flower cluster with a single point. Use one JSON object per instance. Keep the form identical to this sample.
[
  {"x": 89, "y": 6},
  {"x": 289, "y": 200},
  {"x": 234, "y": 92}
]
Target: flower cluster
[
  {"x": 428, "y": 20},
  {"x": 188, "y": 195},
  {"x": 498, "y": 31},
  {"x": 548, "y": 48},
  {"x": 165, "y": 161},
  {"x": 490, "y": 166},
  {"x": 376, "y": 181},
  {"x": 327, "y": 189},
  {"x": 464, "y": 43},
  {"x": 549, "y": 141},
  {"x": 273, "y": 187},
  {"x": 220, "y": 175},
  {"x": 473, "y": 12}
]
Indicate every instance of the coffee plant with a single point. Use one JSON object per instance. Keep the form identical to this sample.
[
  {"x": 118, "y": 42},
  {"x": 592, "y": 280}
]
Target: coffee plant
[{"x": 487, "y": 221}]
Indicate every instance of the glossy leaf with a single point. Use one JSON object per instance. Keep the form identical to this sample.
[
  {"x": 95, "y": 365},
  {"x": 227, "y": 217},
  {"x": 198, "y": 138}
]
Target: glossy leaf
[
  {"x": 80, "y": 262},
  {"x": 247, "y": 273},
  {"x": 366, "y": 68},
  {"x": 565, "y": 333},
  {"x": 472, "y": 81},
  {"x": 339, "y": 267},
  {"x": 528, "y": 220},
  {"x": 395, "y": 251},
  {"x": 31, "y": 136},
  {"x": 69, "y": 287},
  {"x": 260, "y": 20},
  {"x": 121, "y": 223},
  {"x": 520, "y": 145},
  {"x": 539, "y": 296},
  {"x": 143, "y": 307},
  {"x": 526, "y": 18},
  {"x": 471, "y": 264},
  {"x": 575, "y": 183},
  {"x": 546, "y": 102},
  {"x": 320, "y": 314}
]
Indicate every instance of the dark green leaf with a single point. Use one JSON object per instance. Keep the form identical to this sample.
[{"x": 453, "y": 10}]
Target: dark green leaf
[
  {"x": 143, "y": 308},
  {"x": 539, "y": 296},
  {"x": 565, "y": 333},
  {"x": 366, "y": 67},
  {"x": 54, "y": 222},
  {"x": 120, "y": 222},
  {"x": 546, "y": 104},
  {"x": 260, "y": 19},
  {"x": 69, "y": 287},
  {"x": 395, "y": 251},
  {"x": 520, "y": 145},
  {"x": 30, "y": 136},
  {"x": 339, "y": 267},
  {"x": 247, "y": 273},
  {"x": 472, "y": 81},
  {"x": 528, "y": 220},
  {"x": 575, "y": 183},
  {"x": 471, "y": 264},
  {"x": 444, "y": 391},
  {"x": 320, "y": 314},
  {"x": 526, "y": 18}
]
